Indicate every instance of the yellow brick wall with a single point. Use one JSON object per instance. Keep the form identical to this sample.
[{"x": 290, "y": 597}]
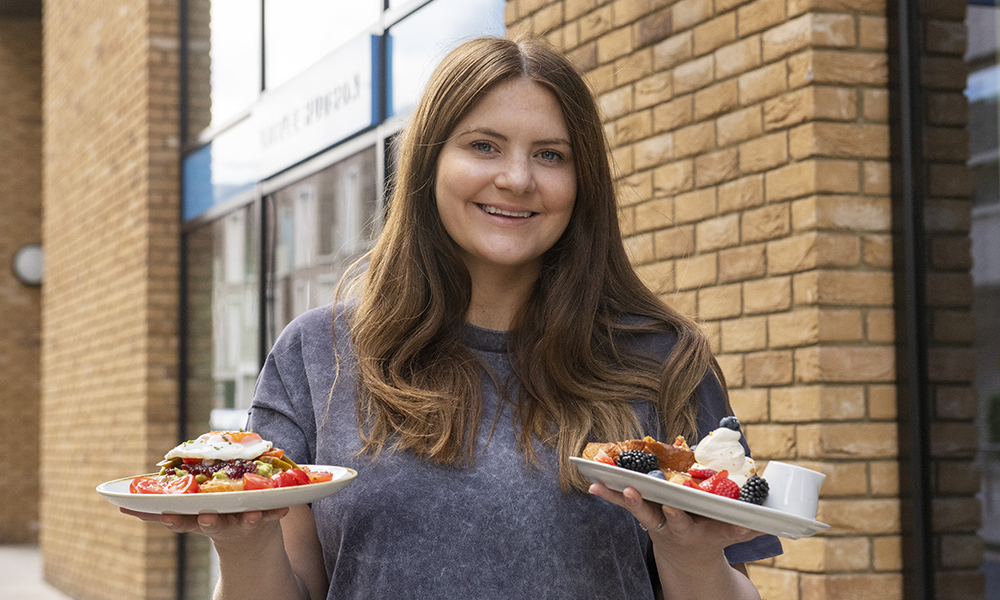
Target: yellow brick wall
[
  {"x": 20, "y": 224},
  {"x": 109, "y": 362},
  {"x": 752, "y": 145}
]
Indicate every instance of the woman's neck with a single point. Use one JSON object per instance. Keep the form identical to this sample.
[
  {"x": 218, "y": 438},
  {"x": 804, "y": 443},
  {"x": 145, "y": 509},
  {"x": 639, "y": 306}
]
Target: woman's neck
[{"x": 498, "y": 296}]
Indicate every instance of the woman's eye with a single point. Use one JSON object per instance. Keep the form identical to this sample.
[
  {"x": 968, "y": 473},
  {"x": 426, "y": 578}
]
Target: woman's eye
[
  {"x": 549, "y": 155},
  {"x": 482, "y": 146}
]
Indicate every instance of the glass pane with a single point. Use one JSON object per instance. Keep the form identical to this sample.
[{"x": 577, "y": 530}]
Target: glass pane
[
  {"x": 316, "y": 228},
  {"x": 220, "y": 170},
  {"x": 224, "y": 69},
  {"x": 982, "y": 91},
  {"x": 418, "y": 42},
  {"x": 300, "y": 32},
  {"x": 222, "y": 346}
]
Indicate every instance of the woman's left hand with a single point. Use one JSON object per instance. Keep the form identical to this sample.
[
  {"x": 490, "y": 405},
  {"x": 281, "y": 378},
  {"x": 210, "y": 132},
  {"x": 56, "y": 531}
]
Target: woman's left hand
[{"x": 684, "y": 537}]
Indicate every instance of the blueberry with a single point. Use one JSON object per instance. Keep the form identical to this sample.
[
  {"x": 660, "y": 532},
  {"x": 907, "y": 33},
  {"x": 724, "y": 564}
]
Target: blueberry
[
  {"x": 658, "y": 474},
  {"x": 730, "y": 422}
]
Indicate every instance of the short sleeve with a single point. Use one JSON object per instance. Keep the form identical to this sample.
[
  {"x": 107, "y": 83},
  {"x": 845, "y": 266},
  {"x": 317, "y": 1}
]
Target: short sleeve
[{"x": 282, "y": 410}]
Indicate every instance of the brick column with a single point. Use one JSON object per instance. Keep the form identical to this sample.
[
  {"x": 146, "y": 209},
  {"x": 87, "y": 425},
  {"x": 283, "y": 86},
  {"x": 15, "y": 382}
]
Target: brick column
[
  {"x": 751, "y": 140},
  {"x": 109, "y": 361}
]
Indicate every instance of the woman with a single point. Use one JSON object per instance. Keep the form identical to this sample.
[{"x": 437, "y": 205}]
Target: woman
[{"x": 499, "y": 328}]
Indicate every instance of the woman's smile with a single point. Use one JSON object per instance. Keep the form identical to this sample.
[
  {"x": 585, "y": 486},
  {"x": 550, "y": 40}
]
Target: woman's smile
[{"x": 492, "y": 210}]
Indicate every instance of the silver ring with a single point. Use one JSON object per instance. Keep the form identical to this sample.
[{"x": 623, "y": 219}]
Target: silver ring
[{"x": 663, "y": 521}]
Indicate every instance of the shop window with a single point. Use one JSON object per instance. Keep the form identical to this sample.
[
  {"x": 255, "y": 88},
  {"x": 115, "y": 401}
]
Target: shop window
[
  {"x": 222, "y": 347},
  {"x": 982, "y": 92},
  {"x": 318, "y": 226},
  {"x": 414, "y": 54},
  {"x": 224, "y": 60},
  {"x": 298, "y": 33}
]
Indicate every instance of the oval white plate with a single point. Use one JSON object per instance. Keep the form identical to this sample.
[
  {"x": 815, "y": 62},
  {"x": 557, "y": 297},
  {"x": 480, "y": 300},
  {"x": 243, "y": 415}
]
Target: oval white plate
[
  {"x": 116, "y": 492},
  {"x": 744, "y": 514}
]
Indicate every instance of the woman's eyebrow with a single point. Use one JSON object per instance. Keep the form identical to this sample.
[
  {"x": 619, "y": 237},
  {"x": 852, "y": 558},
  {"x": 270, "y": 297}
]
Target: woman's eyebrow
[{"x": 496, "y": 134}]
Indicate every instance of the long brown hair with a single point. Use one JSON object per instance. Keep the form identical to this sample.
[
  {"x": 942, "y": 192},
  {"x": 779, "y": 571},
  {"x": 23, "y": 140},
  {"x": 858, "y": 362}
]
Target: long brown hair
[{"x": 420, "y": 387}]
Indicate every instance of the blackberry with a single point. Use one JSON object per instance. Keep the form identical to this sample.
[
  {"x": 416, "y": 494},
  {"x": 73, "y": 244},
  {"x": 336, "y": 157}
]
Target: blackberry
[
  {"x": 637, "y": 460},
  {"x": 754, "y": 490},
  {"x": 730, "y": 422}
]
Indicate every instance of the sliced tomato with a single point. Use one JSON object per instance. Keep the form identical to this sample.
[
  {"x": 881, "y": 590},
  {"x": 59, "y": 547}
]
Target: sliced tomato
[
  {"x": 318, "y": 476},
  {"x": 301, "y": 476},
  {"x": 182, "y": 485},
  {"x": 145, "y": 485},
  {"x": 253, "y": 481},
  {"x": 291, "y": 477},
  {"x": 275, "y": 452},
  {"x": 191, "y": 461}
]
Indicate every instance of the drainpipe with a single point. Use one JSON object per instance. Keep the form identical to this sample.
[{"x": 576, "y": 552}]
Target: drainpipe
[{"x": 909, "y": 249}]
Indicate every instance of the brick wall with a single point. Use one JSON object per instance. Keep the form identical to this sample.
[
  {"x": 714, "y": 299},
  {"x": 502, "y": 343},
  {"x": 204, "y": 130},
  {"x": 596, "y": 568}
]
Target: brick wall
[
  {"x": 108, "y": 366},
  {"x": 752, "y": 145},
  {"x": 20, "y": 224}
]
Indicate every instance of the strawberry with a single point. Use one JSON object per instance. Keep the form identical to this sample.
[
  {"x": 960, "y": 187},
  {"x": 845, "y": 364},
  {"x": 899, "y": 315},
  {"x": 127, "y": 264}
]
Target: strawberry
[
  {"x": 602, "y": 457},
  {"x": 700, "y": 473},
  {"x": 727, "y": 488},
  {"x": 721, "y": 485}
]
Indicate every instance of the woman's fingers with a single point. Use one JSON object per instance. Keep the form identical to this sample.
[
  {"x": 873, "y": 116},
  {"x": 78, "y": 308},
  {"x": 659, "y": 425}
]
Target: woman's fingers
[
  {"x": 647, "y": 513},
  {"x": 213, "y": 525},
  {"x": 678, "y": 524}
]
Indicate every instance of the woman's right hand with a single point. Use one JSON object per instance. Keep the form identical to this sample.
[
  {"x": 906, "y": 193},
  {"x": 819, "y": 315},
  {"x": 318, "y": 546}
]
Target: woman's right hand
[
  {"x": 241, "y": 529},
  {"x": 244, "y": 541}
]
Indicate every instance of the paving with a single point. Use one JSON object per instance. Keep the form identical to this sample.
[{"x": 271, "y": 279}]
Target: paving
[{"x": 21, "y": 575}]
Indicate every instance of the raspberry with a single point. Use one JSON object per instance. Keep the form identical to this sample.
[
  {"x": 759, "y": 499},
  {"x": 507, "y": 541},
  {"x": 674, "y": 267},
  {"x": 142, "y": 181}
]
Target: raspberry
[
  {"x": 754, "y": 490},
  {"x": 638, "y": 461}
]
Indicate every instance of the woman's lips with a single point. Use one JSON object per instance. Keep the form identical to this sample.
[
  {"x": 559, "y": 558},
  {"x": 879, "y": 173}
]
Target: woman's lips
[{"x": 492, "y": 210}]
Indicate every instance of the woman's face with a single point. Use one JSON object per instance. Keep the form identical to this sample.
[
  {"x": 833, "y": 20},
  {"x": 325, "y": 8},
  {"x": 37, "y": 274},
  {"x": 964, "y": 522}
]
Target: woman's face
[{"x": 506, "y": 181}]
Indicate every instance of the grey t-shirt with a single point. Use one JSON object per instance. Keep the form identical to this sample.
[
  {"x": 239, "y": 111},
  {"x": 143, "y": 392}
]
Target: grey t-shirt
[{"x": 407, "y": 528}]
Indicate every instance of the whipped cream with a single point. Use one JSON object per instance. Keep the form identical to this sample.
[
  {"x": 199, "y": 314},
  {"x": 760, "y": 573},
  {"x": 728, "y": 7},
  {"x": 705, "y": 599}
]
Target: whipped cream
[{"x": 722, "y": 450}]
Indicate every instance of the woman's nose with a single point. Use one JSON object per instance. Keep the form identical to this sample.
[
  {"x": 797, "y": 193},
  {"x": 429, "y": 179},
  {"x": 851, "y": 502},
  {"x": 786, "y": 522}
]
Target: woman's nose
[{"x": 516, "y": 175}]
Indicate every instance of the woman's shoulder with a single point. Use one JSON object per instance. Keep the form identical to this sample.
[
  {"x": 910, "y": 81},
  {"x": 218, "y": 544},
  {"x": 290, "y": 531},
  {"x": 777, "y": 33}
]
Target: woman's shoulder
[
  {"x": 646, "y": 333},
  {"x": 314, "y": 326}
]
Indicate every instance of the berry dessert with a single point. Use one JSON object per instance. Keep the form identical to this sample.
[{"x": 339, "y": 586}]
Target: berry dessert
[{"x": 717, "y": 465}]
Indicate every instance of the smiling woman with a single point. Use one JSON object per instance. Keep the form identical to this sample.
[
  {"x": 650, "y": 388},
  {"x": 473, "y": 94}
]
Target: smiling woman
[{"x": 498, "y": 328}]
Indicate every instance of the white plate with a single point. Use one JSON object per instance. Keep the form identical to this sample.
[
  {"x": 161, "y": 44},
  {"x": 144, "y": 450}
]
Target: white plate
[
  {"x": 116, "y": 492},
  {"x": 744, "y": 514}
]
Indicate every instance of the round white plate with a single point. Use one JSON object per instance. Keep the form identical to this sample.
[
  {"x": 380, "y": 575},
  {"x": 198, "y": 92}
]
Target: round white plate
[
  {"x": 116, "y": 492},
  {"x": 744, "y": 514}
]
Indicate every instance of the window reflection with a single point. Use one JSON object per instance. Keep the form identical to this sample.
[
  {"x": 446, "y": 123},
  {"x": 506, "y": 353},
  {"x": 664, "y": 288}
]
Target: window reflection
[
  {"x": 317, "y": 227},
  {"x": 224, "y": 66},
  {"x": 982, "y": 92},
  {"x": 300, "y": 32},
  {"x": 222, "y": 345},
  {"x": 414, "y": 53}
]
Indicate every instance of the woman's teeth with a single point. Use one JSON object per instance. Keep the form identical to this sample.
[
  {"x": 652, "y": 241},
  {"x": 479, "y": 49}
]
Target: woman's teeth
[{"x": 505, "y": 213}]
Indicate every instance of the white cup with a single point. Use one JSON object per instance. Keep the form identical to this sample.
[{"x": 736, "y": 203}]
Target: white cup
[{"x": 793, "y": 489}]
